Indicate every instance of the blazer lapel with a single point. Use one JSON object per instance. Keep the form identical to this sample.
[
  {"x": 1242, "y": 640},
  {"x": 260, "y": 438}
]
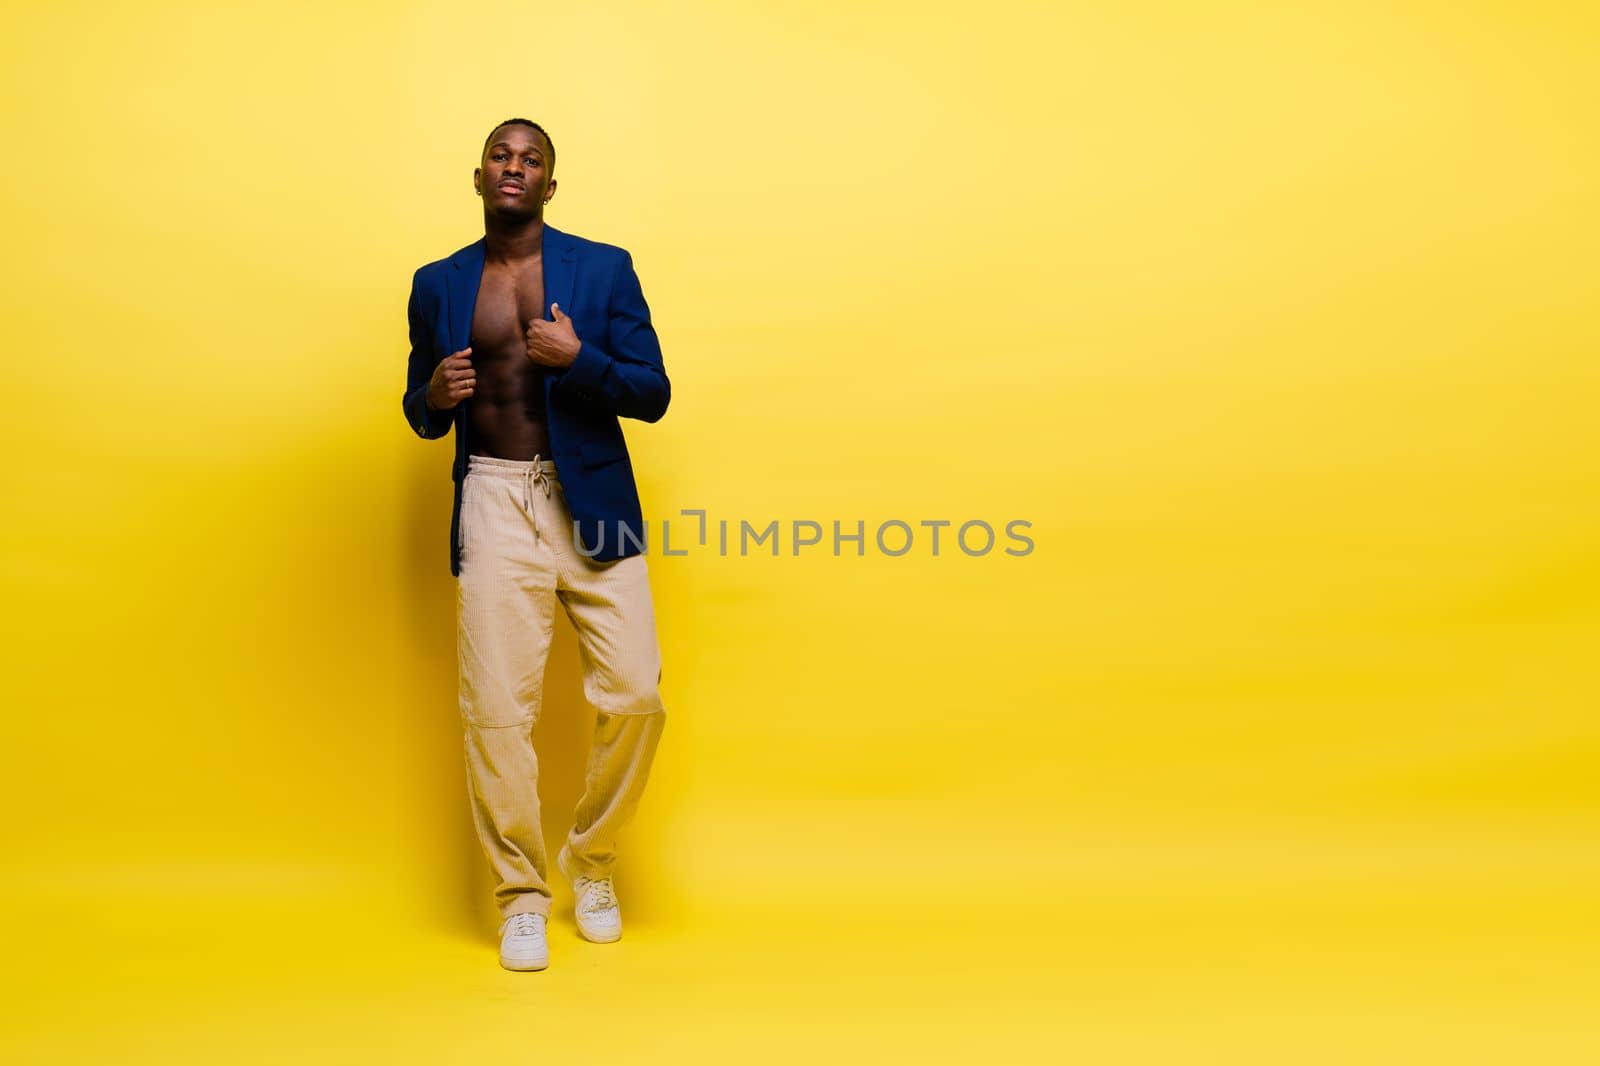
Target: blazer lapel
[
  {"x": 560, "y": 254},
  {"x": 465, "y": 275}
]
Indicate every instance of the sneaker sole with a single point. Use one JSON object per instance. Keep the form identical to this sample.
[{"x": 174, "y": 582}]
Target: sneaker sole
[{"x": 524, "y": 967}]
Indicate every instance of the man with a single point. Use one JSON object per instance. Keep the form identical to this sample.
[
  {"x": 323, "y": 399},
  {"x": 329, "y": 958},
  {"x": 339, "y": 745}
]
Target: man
[{"x": 531, "y": 343}]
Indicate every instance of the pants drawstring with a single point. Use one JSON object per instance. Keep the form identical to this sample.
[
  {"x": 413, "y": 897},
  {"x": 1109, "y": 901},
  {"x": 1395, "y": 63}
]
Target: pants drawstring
[{"x": 534, "y": 475}]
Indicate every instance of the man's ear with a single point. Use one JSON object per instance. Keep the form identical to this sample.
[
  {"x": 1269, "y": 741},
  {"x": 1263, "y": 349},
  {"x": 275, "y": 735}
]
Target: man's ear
[{"x": 477, "y": 180}]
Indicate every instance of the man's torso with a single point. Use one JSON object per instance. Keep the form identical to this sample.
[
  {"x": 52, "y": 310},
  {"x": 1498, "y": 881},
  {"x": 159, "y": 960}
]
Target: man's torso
[{"x": 506, "y": 413}]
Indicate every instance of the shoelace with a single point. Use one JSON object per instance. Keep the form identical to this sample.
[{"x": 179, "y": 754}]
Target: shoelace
[
  {"x": 598, "y": 895},
  {"x": 522, "y": 925}
]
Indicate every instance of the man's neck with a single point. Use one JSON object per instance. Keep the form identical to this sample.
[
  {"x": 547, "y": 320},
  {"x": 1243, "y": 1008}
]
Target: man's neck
[{"x": 512, "y": 243}]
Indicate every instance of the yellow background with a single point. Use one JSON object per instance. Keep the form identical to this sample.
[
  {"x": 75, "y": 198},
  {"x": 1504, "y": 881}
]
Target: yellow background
[{"x": 1276, "y": 322}]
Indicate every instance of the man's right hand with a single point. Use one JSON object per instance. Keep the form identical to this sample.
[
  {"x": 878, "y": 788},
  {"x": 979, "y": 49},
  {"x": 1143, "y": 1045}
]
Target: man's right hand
[{"x": 453, "y": 380}]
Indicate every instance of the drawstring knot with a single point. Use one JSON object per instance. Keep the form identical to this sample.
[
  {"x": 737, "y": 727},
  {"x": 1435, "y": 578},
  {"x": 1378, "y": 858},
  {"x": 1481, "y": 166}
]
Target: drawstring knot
[{"x": 532, "y": 476}]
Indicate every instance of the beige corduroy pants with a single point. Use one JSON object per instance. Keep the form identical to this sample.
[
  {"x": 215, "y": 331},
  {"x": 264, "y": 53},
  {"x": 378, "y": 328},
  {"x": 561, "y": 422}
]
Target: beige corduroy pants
[{"x": 518, "y": 561}]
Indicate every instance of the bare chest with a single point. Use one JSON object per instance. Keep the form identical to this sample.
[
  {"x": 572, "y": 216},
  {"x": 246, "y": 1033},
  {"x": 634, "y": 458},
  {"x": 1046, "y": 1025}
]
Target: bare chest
[{"x": 507, "y": 299}]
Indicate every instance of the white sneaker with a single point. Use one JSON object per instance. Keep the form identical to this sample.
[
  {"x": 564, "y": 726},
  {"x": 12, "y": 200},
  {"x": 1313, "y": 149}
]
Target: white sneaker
[
  {"x": 522, "y": 943},
  {"x": 594, "y": 905}
]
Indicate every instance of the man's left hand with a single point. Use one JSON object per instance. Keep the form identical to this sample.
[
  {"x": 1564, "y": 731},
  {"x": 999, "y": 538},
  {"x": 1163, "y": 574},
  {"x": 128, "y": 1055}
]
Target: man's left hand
[{"x": 553, "y": 343}]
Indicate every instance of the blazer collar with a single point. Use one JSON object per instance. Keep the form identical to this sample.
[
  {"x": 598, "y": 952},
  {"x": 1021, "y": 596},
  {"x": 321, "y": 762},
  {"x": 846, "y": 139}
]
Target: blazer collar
[{"x": 559, "y": 252}]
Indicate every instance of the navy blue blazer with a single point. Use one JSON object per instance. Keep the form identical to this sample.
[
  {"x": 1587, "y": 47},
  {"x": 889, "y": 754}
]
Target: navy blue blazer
[{"x": 618, "y": 374}]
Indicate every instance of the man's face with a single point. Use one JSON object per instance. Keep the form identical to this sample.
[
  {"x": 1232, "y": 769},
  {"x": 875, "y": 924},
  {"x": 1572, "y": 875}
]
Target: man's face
[{"x": 514, "y": 180}]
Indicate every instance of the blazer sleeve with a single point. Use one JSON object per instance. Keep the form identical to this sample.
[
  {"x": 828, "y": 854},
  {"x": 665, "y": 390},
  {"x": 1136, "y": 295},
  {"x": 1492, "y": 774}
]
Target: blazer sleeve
[
  {"x": 425, "y": 422},
  {"x": 627, "y": 378}
]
